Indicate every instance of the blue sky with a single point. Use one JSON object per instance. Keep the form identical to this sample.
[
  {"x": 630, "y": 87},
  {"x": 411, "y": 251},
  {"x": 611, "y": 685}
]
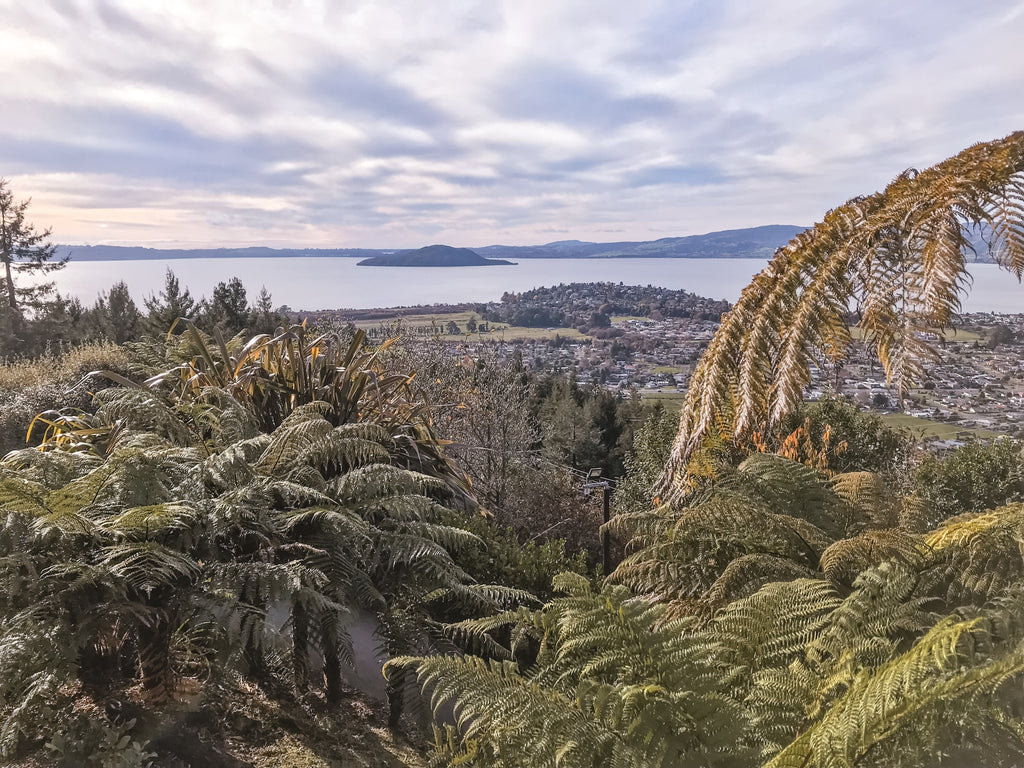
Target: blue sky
[{"x": 389, "y": 123}]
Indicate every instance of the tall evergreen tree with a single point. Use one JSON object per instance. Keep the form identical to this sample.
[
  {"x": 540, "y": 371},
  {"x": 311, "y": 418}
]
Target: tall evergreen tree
[
  {"x": 23, "y": 250},
  {"x": 116, "y": 315},
  {"x": 169, "y": 305},
  {"x": 228, "y": 308},
  {"x": 264, "y": 319}
]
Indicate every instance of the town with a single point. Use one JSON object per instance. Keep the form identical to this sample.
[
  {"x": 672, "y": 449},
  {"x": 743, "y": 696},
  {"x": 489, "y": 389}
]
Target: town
[{"x": 644, "y": 341}]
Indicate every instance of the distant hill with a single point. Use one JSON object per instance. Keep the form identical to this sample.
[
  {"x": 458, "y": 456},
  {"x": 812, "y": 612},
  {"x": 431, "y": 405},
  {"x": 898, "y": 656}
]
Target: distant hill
[
  {"x": 432, "y": 256},
  {"x": 750, "y": 243},
  {"x": 136, "y": 253}
]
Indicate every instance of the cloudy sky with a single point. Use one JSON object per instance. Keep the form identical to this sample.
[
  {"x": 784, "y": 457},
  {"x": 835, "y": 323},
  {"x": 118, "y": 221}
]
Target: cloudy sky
[{"x": 394, "y": 123}]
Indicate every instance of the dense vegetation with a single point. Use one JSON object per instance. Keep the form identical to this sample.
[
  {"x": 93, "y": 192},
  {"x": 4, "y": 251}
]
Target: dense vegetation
[
  {"x": 590, "y": 305},
  {"x": 798, "y": 588}
]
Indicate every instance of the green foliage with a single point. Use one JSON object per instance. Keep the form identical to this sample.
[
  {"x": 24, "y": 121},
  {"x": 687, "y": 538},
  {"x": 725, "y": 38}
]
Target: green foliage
[
  {"x": 167, "y": 509},
  {"x": 505, "y": 559},
  {"x": 56, "y": 380},
  {"x": 791, "y": 604},
  {"x": 608, "y": 689},
  {"x": 870, "y": 445},
  {"x": 170, "y": 306},
  {"x": 790, "y": 675},
  {"x": 24, "y": 251},
  {"x": 227, "y": 311},
  {"x": 973, "y": 478},
  {"x": 645, "y": 462},
  {"x": 87, "y": 742},
  {"x": 115, "y": 314}
]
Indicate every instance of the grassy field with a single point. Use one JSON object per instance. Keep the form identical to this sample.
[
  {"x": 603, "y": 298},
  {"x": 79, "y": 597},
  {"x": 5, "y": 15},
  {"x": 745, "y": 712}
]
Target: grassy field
[
  {"x": 926, "y": 428},
  {"x": 513, "y": 332},
  {"x": 495, "y": 332},
  {"x": 959, "y": 335},
  {"x": 672, "y": 400},
  {"x": 923, "y": 428}
]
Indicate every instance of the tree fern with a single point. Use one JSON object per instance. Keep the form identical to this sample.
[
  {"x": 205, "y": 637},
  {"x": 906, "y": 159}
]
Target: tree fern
[{"x": 898, "y": 254}]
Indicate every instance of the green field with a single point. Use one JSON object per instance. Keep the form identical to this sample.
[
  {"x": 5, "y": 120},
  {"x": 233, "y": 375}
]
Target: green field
[
  {"x": 922, "y": 428},
  {"x": 926, "y": 428},
  {"x": 672, "y": 400},
  {"x": 959, "y": 335},
  {"x": 495, "y": 332}
]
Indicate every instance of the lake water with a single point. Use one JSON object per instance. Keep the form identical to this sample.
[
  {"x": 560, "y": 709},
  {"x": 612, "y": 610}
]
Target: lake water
[{"x": 334, "y": 283}]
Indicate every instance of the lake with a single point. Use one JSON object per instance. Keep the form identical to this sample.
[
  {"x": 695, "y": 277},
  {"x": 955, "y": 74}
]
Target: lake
[{"x": 334, "y": 283}]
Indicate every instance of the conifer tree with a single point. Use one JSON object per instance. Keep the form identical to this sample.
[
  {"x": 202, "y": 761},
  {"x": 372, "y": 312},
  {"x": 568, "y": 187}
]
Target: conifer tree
[
  {"x": 169, "y": 305},
  {"x": 23, "y": 250}
]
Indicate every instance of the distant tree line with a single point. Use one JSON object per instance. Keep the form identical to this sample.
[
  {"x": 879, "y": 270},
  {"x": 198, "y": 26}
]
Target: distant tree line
[
  {"x": 592, "y": 305},
  {"x": 116, "y": 317}
]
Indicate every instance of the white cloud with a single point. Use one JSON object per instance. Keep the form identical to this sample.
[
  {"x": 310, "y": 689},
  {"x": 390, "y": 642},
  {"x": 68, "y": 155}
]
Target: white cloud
[{"x": 388, "y": 124}]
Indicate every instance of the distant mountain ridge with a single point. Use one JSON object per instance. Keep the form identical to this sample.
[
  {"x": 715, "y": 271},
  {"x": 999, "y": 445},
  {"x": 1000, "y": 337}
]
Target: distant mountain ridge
[
  {"x": 750, "y": 243},
  {"x": 433, "y": 256}
]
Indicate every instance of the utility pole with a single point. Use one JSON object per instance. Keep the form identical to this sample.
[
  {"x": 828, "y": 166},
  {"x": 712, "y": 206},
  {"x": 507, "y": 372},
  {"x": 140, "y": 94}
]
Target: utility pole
[{"x": 595, "y": 481}]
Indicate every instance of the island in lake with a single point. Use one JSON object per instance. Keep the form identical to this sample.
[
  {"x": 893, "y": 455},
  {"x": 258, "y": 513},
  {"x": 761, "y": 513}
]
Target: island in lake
[{"x": 433, "y": 256}]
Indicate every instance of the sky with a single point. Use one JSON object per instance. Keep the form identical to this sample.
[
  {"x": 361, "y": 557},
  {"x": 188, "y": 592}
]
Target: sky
[{"x": 399, "y": 123}]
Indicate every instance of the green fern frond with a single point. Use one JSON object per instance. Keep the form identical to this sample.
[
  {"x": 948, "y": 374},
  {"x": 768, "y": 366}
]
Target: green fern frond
[
  {"x": 939, "y": 673},
  {"x": 146, "y": 567}
]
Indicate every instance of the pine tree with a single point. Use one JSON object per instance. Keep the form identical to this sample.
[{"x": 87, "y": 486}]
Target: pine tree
[
  {"x": 228, "y": 309},
  {"x": 24, "y": 251},
  {"x": 170, "y": 305},
  {"x": 264, "y": 319}
]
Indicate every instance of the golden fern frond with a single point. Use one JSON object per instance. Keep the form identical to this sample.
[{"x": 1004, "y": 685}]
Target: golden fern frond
[
  {"x": 770, "y": 628},
  {"x": 874, "y": 502},
  {"x": 1007, "y": 247},
  {"x": 816, "y": 322},
  {"x": 898, "y": 253},
  {"x": 959, "y": 530},
  {"x": 747, "y": 574},
  {"x": 982, "y": 555},
  {"x": 846, "y": 559}
]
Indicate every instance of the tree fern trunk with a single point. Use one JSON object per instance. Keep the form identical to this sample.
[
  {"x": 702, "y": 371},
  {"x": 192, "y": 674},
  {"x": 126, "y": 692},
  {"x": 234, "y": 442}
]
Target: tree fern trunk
[
  {"x": 154, "y": 660},
  {"x": 300, "y": 645},
  {"x": 332, "y": 663},
  {"x": 396, "y": 698},
  {"x": 252, "y": 654}
]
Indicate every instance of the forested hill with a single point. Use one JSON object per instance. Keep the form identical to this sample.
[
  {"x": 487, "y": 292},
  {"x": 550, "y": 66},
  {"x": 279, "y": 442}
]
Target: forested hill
[
  {"x": 432, "y": 256},
  {"x": 135, "y": 253},
  {"x": 750, "y": 243}
]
